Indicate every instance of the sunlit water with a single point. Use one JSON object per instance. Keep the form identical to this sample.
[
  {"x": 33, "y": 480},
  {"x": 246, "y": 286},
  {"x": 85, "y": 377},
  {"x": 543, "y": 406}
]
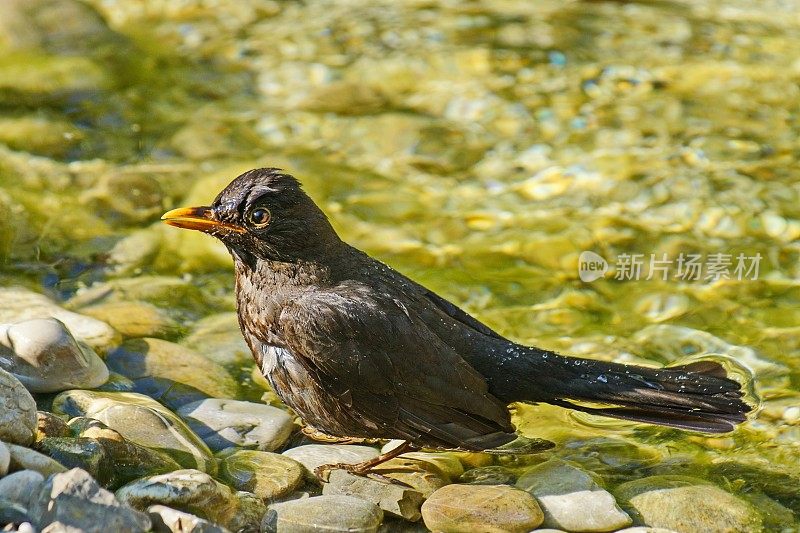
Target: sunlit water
[{"x": 478, "y": 147}]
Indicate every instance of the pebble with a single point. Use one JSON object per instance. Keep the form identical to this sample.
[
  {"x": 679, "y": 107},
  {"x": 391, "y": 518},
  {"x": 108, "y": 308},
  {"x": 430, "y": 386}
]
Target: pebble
[
  {"x": 17, "y": 411},
  {"x": 571, "y": 499},
  {"x": 130, "y": 461},
  {"x": 26, "y": 459},
  {"x": 50, "y": 425},
  {"x": 422, "y": 476},
  {"x": 445, "y": 462},
  {"x": 313, "y": 455},
  {"x": 45, "y": 357},
  {"x": 218, "y": 338},
  {"x": 135, "y": 319},
  {"x": 485, "y": 508},
  {"x": 21, "y": 487},
  {"x": 139, "y": 359},
  {"x": 11, "y": 512},
  {"x": 685, "y": 503},
  {"x": 5, "y": 460},
  {"x": 140, "y": 420},
  {"x": 197, "y": 493},
  {"x": 267, "y": 475},
  {"x": 168, "y": 520},
  {"x": 394, "y": 499},
  {"x": 332, "y": 514},
  {"x": 81, "y": 452},
  {"x": 74, "y": 499},
  {"x": 488, "y": 475},
  {"x": 225, "y": 423},
  {"x": 23, "y": 304},
  {"x": 177, "y": 296}
]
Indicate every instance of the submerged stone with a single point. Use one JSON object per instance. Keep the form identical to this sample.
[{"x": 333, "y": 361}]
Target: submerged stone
[
  {"x": 687, "y": 504},
  {"x": 267, "y": 475},
  {"x": 571, "y": 499},
  {"x": 140, "y": 420},
  {"x": 140, "y": 359}
]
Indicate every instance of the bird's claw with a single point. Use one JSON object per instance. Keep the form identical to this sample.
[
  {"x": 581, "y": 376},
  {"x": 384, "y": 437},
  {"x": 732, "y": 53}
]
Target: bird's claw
[{"x": 323, "y": 473}]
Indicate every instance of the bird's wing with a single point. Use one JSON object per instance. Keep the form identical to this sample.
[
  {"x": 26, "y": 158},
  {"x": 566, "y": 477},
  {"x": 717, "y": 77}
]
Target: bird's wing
[
  {"x": 373, "y": 351},
  {"x": 455, "y": 312}
]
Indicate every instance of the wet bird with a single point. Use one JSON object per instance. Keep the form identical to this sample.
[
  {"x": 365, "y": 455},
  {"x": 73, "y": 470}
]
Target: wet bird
[{"x": 359, "y": 350}]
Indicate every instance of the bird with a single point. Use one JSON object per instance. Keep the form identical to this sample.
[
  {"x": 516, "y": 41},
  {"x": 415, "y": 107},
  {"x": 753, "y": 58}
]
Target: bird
[{"x": 360, "y": 351}]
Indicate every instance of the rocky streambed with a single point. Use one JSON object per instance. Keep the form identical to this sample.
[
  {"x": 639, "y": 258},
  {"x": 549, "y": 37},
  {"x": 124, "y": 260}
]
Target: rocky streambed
[
  {"x": 479, "y": 147},
  {"x": 104, "y": 434}
]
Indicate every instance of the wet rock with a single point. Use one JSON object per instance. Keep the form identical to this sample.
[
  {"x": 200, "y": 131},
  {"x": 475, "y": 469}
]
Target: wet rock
[
  {"x": 168, "y": 520},
  {"x": 267, "y": 475},
  {"x": 133, "y": 252},
  {"x": 130, "y": 461},
  {"x": 218, "y": 338},
  {"x": 127, "y": 196},
  {"x": 21, "y": 487},
  {"x": 686, "y": 504},
  {"x": 571, "y": 499},
  {"x": 26, "y": 459},
  {"x": 140, "y": 420},
  {"x": 394, "y": 499},
  {"x": 12, "y": 513},
  {"x": 5, "y": 459},
  {"x": 176, "y": 296},
  {"x": 75, "y": 499},
  {"x": 195, "y": 492},
  {"x": 645, "y": 529},
  {"x": 336, "y": 514},
  {"x": 49, "y": 425},
  {"x": 55, "y": 78},
  {"x": 45, "y": 357},
  {"x": 117, "y": 383},
  {"x": 21, "y": 304},
  {"x": 491, "y": 508},
  {"x": 53, "y": 138},
  {"x": 17, "y": 411},
  {"x": 488, "y": 475},
  {"x": 422, "y": 476},
  {"x": 140, "y": 359},
  {"x": 225, "y": 423},
  {"x": 446, "y": 463},
  {"x": 313, "y": 455},
  {"x": 344, "y": 98},
  {"x": 135, "y": 319},
  {"x": 81, "y": 452}
]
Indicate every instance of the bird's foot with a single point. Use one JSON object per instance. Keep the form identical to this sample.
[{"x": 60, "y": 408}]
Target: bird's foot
[{"x": 323, "y": 473}]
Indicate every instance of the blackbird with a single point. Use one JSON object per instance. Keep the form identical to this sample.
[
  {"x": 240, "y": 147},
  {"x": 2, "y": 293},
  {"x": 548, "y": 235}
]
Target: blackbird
[{"x": 359, "y": 350}]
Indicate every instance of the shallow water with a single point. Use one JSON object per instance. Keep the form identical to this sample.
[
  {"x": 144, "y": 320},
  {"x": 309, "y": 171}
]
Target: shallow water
[{"x": 478, "y": 147}]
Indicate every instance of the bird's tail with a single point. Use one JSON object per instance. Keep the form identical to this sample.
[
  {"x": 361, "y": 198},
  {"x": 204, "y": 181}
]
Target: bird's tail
[{"x": 698, "y": 396}]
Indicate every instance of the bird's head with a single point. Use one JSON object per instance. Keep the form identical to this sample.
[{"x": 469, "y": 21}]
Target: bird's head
[{"x": 262, "y": 214}]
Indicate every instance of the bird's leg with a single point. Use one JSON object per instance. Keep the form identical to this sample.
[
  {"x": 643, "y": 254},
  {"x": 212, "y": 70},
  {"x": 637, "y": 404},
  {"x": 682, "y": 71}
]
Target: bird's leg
[{"x": 364, "y": 469}]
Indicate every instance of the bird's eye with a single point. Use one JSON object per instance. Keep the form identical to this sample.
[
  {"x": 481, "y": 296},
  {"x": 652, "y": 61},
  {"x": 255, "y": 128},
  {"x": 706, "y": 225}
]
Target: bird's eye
[{"x": 260, "y": 217}]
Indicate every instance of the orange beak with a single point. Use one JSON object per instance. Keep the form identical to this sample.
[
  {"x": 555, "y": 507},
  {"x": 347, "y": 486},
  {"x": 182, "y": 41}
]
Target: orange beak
[{"x": 198, "y": 218}]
